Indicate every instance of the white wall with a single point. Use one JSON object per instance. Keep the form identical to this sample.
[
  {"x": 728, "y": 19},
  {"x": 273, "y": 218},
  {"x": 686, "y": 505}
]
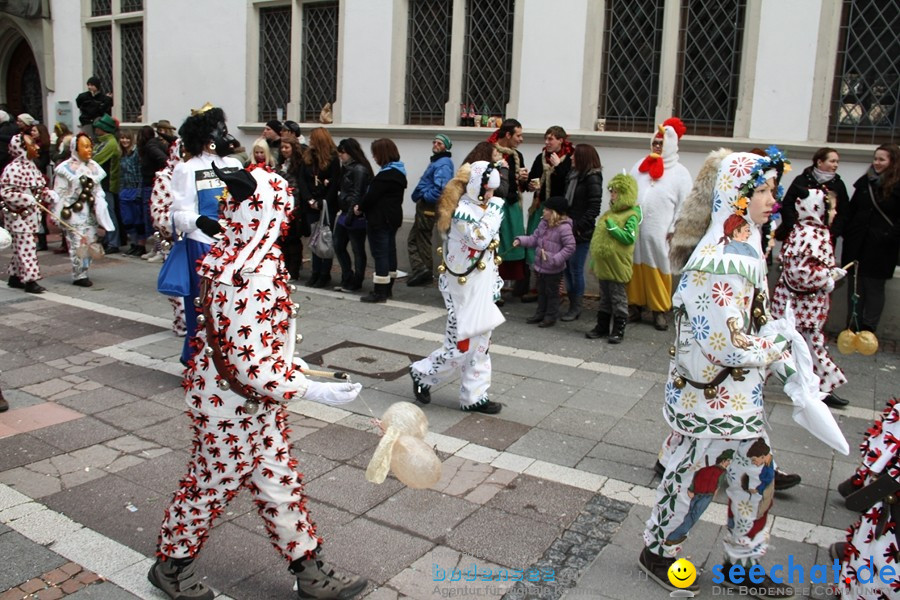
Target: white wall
[
  {"x": 785, "y": 70},
  {"x": 366, "y": 61},
  {"x": 67, "y": 55},
  {"x": 550, "y": 77}
]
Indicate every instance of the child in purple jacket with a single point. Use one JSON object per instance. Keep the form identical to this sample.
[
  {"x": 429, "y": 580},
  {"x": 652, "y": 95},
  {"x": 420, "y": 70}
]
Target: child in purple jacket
[{"x": 554, "y": 243}]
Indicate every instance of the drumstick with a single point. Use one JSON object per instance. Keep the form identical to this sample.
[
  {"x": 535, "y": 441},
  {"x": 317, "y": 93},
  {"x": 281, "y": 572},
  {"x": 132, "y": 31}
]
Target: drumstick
[
  {"x": 848, "y": 265},
  {"x": 326, "y": 374}
]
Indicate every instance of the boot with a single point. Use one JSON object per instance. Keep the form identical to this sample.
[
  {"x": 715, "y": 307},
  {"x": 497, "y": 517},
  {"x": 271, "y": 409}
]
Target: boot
[
  {"x": 355, "y": 282},
  {"x": 33, "y": 287},
  {"x": 313, "y": 280},
  {"x": 618, "y": 330},
  {"x": 390, "y": 288},
  {"x": 657, "y": 567},
  {"x": 785, "y": 481},
  {"x": 765, "y": 589},
  {"x": 41, "y": 242},
  {"x": 574, "y": 309},
  {"x": 178, "y": 579},
  {"x": 601, "y": 330},
  {"x": 378, "y": 294},
  {"x": 316, "y": 579},
  {"x": 15, "y": 281},
  {"x": 323, "y": 281}
]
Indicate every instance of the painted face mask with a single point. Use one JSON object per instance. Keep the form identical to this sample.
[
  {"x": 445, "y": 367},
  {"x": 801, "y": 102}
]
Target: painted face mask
[
  {"x": 85, "y": 149},
  {"x": 31, "y": 149}
]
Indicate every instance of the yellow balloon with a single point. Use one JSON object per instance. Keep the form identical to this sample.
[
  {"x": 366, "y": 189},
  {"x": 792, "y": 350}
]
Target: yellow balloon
[
  {"x": 407, "y": 418},
  {"x": 846, "y": 342},
  {"x": 415, "y": 463},
  {"x": 866, "y": 343}
]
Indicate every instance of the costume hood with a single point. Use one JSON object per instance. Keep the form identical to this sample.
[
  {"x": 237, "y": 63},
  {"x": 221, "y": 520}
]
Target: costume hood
[
  {"x": 670, "y": 132},
  {"x": 626, "y": 186},
  {"x": 476, "y": 178},
  {"x": 21, "y": 172}
]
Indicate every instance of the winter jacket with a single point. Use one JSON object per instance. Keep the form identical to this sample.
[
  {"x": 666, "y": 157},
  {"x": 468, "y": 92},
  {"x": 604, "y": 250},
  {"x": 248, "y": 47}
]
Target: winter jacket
[
  {"x": 354, "y": 183},
  {"x": 437, "y": 174},
  {"x": 383, "y": 202},
  {"x": 154, "y": 155},
  {"x": 93, "y": 106},
  {"x": 317, "y": 185},
  {"x": 802, "y": 182},
  {"x": 612, "y": 246},
  {"x": 553, "y": 246},
  {"x": 586, "y": 202},
  {"x": 107, "y": 154},
  {"x": 868, "y": 237}
]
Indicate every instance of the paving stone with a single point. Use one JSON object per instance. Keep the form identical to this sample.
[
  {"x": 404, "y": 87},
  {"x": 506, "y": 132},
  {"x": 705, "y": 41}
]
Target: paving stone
[
  {"x": 541, "y": 500},
  {"x": 161, "y": 474},
  {"x": 30, "y": 375},
  {"x": 76, "y": 434},
  {"x": 174, "y": 433},
  {"x": 31, "y": 484},
  {"x": 460, "y": 476},
  {"x": 496, "y": 433},
  {"x": 346, "y": 487},
  {"x": 23, "y": 559},
  {"x": 98, "y": 400},
  {"x": 233, "y": 554},
  {"x": 577, "y": 422},
  {"x": 506, "y": 539},
  {"x": 491, "y": 486},
  {"x": 557, "y": 448},
  {"x": 138, "y": 381},
  {"x": 101, "y": 591},
  {"x": 313, "y": 466},
  {"x": 636, "y": 434},
  {"x": 616, "y": 470},
  {"x": 21, "y": 450},
  {"x": 429, "y": 514},
  {"x": 337, "y": 443},
  {"x": 137, "y": 415}
]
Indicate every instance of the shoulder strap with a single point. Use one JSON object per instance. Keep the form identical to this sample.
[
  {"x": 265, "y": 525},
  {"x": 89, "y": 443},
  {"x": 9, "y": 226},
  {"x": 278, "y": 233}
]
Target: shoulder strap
[{"x": 878, "y": 208}]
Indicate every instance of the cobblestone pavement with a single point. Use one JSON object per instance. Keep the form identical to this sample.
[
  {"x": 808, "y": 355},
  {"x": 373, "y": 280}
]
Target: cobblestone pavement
[{"x": 553, "y": 491}]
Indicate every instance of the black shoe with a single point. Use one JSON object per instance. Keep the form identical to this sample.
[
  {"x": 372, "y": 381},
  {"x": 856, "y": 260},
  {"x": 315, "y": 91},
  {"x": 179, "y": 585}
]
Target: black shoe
[
  {"x": 837, "y": 550},
  {"x": 421, "y": 392},
  {"x": 785, "y": 481},
  {"x": 488, "y": 407},
  {"x": 835, "y": 401},
  {"x": 529, "y": 298},
  {"x": 32, "y": 287},
  {"x": 322, "y": 282},
  {"x": 83, "y": 282},
  {"x": 547, "y": 323},
  {"x": 765, "y": 589},
  {"x": 659, "y": 321},
  {"x": 313, "y": 279},
  {"x": 657, "y": 567},
  {"x": 420, "y": 278},
  {"x": 618, "y": 331},
  {"x": 534, "y": 319},
  {"x": 500, "y": 302},
  {"x": 659, "y": 468},
  {"x": 15, "y": 282},
  {"x": 110, "y": 249},
  {"x": 136, "y": 251},
  {"x": 4, "y": 405}
]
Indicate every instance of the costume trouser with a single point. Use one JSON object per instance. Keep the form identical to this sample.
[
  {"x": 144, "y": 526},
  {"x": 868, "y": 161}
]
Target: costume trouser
[
  {"x": 548, "y": 295},
  {"x": 383, "y": 244},
  {"x": 613, "y": 299},
  {"x": 228, "y": 454},
  {"x": 418, "y": 244},
  {"x": 83, "y": 234},
  {"x": 469, "y": 358},
  {"x": 24, "y": 262},
  {"x": 575, "y": 269},
  {"x": 829, "y": 374},
  {"x": 357, "y": 240},
  {"x": 749, "y": 501},
  {"x": 650, "y": 287},
  {"x": 178, "y": 327},
  {"x": 196, "y": 251}
]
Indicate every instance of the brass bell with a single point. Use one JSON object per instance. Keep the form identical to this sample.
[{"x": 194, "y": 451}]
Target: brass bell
[
  {"x": 66, "y": 213},
  {"x": 439, "y": 250},
  {"x": 710, "y": 392},
  {"x": 462, "y": 280},
  {"x": 251, "y": 407},
  {"x": 77, "y": 206},
  {"x": 762, "y": 320},
  {"x": 197, "y": 302},
  {"x": 497, "y": 260},
  {"x": 201, "y": 320},
  {"x": 299, "y": 338},
  {"x": 481, "y": 266},
  {"x": 493, "y": 245},
  {"x": 224, "y": 385},
  {"x": 757, "y": 312},
  {"x": 760, "y": 297},
  {"x": 293, "y": 288},
  {"x": 672, "y": 351},
  {"x": 208, "y": 351},
  {"x": 84, "y": 196},
  {"x": 679, "y": 382},
  {"x": 441, "y": 268}
]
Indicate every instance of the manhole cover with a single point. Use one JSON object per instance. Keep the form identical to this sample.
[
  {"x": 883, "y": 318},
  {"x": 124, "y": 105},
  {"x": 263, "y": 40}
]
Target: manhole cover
[{"x": 363, "y": 359}]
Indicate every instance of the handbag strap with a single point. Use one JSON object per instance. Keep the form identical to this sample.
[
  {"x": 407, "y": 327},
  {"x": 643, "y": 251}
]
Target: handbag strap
[
  {"x": 323, "y": 218},
  {"x": 878, "y": 208}
]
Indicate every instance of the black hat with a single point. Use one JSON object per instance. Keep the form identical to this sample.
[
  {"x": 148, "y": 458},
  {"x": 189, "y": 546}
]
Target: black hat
[
  {"x": 241, "y": 184},
  {"x": 557, "y": 203},
  {"x": 274, "y": 126}
]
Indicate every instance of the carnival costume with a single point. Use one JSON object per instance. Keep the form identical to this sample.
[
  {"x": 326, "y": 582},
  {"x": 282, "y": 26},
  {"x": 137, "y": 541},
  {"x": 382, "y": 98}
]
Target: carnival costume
[
  {"x": 236, "y": 386},
  {"x": 21, "y": 188},
  {"x": 663, "y": 184},
  {"x": 470, "y": 284},
  {"x": 161, "y": 218},
  {"x": 807, "y": 280},
  {"x": 725, "y": 347},
  {"x": 81, "y": 204}
]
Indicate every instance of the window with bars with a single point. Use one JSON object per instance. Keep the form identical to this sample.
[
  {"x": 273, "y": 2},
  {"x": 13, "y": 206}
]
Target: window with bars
[
  {"x": 629, "y": 85},
  {"x": 428, "y": 61},
  {"x": 101, "y": 45},
  {"x": 709, "y": 60},
  {"x": 132, "y": 38},
  {"x": 274, "y": 85},
  {"x": 131, "y": 6},
  {"x": 320, "y": 49},
  {"x": 865, "y": 106},
  {"x": 101, "y": 8},
  {"x": 487, "y": 61}
]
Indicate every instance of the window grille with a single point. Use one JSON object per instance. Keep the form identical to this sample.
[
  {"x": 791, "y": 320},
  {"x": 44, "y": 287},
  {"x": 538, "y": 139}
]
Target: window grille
[
  {"x": 488, "y": 55},
  {"x": 866, "y": 97},
  {"x": 274, "y": 61},
  {"x": 320, "y": 47},
  {"x": 709, "y": 59},
  {"x": 100, "y": 8},
  {"x": 32, "y": 92},
  {"x": 131, "y": 5},
  {"x": 629, "y": 86},
  {"x": 428, "y": 61},
  {"x": 132, "y": 38},
  {"x": 101, "y": 45}
]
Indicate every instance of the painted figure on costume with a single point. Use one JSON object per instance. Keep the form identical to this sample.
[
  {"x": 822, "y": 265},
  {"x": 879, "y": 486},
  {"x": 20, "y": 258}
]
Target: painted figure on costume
[
  {"x": 702, "y": 491},
  {"x": 737, "y": 232}
]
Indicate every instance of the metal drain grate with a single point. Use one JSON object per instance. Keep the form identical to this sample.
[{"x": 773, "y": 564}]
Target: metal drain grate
[{"x": 363, "y": 359}]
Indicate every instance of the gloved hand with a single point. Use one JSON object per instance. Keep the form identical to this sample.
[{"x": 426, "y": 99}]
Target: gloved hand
[
  {"x": 208, "y": 226},
  {"x": 838, "y": 273},
  {"x": 332, "y": 393},
  {"x": 829, "y": 285}
]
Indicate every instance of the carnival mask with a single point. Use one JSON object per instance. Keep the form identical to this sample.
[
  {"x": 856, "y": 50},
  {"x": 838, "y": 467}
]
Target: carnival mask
[
  {"x": 85, "y": 148},
  {"x": 31, "y": 149}
]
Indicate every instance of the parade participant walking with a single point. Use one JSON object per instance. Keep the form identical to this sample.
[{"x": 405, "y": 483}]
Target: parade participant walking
[
  {"x": 663, "y": 184},
  {"x": 81, "y": 204},
  {"x": 469, "y": 219},
  {"x": 438, "y": 172},
  {"x": 21, "y": 187},
  {"x": 236, "y": 389}
]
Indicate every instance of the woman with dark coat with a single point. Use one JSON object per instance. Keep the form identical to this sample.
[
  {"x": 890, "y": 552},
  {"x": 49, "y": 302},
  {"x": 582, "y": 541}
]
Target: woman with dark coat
[
  {"x": 383, "y": 207},
  {"x": 355, "y": 179},
  {"x": 153, "y": 153},
  {"x": 320, "y": 180},
  {"x": 822, "y": 174},
  {"x": 291, "y": 153},
  {"x": 870, "y": 226},
  {"x": 584, "y": 193}
]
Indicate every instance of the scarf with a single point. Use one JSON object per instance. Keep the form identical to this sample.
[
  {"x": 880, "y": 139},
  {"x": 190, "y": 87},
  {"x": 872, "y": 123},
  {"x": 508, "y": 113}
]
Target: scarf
[
  {"x": 394, "y": 165},
  {"x": 822, "y": 176},
  {"x": 547, "y": 169},
  {"x": 874, "y": 178},
  {"x": 513, "y": 164}
]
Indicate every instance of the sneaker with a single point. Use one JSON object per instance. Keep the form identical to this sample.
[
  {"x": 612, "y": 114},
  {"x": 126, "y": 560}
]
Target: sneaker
[
  {"x": 400, "y": 274},
  {"x": 764, "y": 590},
  {"x": 657, "y": 568},
  {"x": 421, "y": 392},
  {"x": 156, "y": 258},
  {"x": 83, "y": 282},
  {"x": 149, "y": 255},
  {"x": 179, "y": 582},
  {"x": 785, "y": 481},
  {"x": 488, "y": 407},
  {"x": 317, "y": 580}
]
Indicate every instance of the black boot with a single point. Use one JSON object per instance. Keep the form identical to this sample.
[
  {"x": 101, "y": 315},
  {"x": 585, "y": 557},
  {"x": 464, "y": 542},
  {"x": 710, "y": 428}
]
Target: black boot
[
  {"x": 657, "y": 567},
  {"x": 574, "y": 309},
  {"x": 618, "y": 331},
  {"x": 319, "y": 580},
  {"x": 420, "y": 391},
  {"x": 15, "y": 281},
  {"x": 390, "y": 289},
  {"x": 378, "y": 294},
  {"x": 601, "y": 330}
]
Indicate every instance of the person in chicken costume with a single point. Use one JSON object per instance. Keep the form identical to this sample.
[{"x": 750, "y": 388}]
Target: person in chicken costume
[
  {"x": 469, "y": 217},
  {"x": 807, "y": 280},
  {"x": 236, "y": 385},
  {"x": 81, "y": 204},
  {"x": 21, "y": 187},
  {"x": 663, "y": 184},
  {"x": 725, "y": 347}
]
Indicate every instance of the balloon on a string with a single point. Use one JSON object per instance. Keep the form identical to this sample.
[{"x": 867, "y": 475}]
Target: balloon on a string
[
  {"x": 407, "y": 418},
  {"x": 846, "y": 342},
  {"x": 415, "y": 463},
  {"x": 403, "y": 449},
  {"x": 866, "y": 343}
]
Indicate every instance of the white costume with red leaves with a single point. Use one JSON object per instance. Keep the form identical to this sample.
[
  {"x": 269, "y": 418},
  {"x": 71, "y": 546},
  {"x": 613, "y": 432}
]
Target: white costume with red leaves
[
  {"x": 249, "y": 302},
  {"x": 21, "y": 187},
  {"x": 161, "y": 217},
  {"x": 806, "y": 283}
]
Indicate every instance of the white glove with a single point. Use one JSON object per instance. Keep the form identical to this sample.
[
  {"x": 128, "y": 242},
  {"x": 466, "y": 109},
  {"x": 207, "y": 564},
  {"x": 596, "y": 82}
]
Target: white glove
[
  {"x": 829, "y": 285},
  {"x": 838, "y": 273},
  {"x": 332, "y": 393}
]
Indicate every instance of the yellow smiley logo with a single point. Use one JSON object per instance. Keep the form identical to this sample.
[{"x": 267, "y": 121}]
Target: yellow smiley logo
[{"x": 682, "y": 573}]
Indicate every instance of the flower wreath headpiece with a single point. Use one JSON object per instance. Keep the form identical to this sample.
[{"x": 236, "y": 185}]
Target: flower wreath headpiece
[{"x": 776, "y": 160}]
